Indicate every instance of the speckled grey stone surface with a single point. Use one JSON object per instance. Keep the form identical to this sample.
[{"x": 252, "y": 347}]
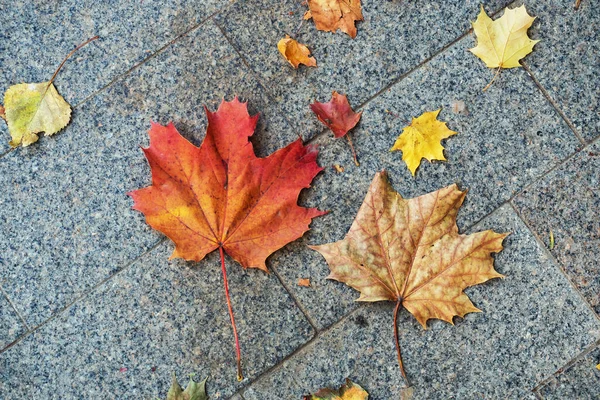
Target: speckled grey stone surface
[
  {"x": 580, "y": 380},
  {"x": 156, "y": 317},
  {"x": 66, "y": 221},
  {"x": 567, "y": 202},
  {"x": 11, "y": 325},
  {"x": 394, "y": 37},
  {"x": 510, "y": 136},
  {"x": 37, "y": 35},
  {"x": 565, "y": 61},
  {"x": 532, "y": 322}
]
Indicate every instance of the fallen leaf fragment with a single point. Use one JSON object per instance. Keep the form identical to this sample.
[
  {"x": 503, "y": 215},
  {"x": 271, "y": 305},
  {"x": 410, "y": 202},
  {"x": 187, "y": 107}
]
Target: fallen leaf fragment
[
  {"x": 33, "y": 108},
  {"x": 421, "y": 139},
  {"x": 193, "y": 390},
  {"x": 295, "y": 53},
  {"x": 338, "y": 116},
  {"x": 598, "y": 367},
  {"x": 304, "y": 282},
  {"x": 551, "y": 240},
  {"x": 410, "y": 252},
  {"x": 221, "y": 196},
  {"x": 338, "y": 168},
  {"x": 348, "y": 391},
  {"x": 331, "y": 15}
]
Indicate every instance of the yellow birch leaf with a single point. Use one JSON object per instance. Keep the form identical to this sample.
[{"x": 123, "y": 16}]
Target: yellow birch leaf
[
  {"x": 295, "y": 53},
  {"x": 503, "y": 42},
  {"x": 32, "y": 108},
  {"x": 421, "y": 139}
]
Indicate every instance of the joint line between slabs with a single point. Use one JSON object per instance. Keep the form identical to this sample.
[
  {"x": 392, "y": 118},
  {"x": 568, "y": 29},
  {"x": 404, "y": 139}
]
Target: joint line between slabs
[
  {"x": 299, "y": 349},
  {"x": 16, "y": 310},
  {"x": 566, "y": 366},
  {"x": 297, "y": 301},
  {"x": 81, "y": 297},
  {"x": 551, "y": 257},
  {"x": 554, "y": 104}
]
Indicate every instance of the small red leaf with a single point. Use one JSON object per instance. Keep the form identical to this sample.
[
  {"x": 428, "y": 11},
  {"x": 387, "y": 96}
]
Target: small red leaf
[{"x": 337, "y": 115}]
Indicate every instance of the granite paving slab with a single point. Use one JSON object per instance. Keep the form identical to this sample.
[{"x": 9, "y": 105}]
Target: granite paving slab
[
  {"x": 533, "y": 321},
  {"x": 156, "y": 317},
  {"x": 565, "y": 61},
  {"x": 37, "y": 35},
  {"x": 66, "y": 222},
  {"x": 567, "y": 202},
  {"x": 507, "y": 137},
  {"x": 11, "y": 325},
  {"x": 580, "y": 380},
  {"x": 394, "y": 37}
]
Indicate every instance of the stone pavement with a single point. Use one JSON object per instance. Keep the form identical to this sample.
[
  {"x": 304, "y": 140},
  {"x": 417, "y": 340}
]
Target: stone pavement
[{"x": 90, "y": 305}]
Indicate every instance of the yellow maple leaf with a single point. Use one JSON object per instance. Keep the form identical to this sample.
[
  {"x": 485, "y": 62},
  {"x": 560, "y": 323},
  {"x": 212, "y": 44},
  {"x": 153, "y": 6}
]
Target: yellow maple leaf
[
  {"x": 421, "y": 139},
  {"x": 295, "y": 53},
  {"x": 503, "y": 42},
  {"x": 32, "y": 108}
]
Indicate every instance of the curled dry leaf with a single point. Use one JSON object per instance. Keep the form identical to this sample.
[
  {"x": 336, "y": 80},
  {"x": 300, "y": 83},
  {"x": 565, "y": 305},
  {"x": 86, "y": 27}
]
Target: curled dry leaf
[
  {"x": 295, "y": 53},
  {"x": 421, "y": 139},
  {"x": 338, "y": 116},
  {"x": 221, "y": 196},
  {"x": 410, "y": 252},
  {"x": 193, "y": 390},
  {"x": 348, "y": 391},
  {"x": 331, "y": 15}
]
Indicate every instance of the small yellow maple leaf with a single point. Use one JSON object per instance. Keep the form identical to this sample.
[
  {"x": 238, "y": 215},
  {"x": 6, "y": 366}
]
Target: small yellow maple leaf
[
  {"x": 295, "y": 53},
  {"x": 503, "y": 42},
  {"x": 32, "y": 108},
  {"x": 421, "y": 139}
]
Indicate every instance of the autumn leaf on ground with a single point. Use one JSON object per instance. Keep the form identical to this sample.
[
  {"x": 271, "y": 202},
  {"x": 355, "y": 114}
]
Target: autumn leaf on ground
[
  {"x": 410, "y": 252},
  {"x": 338, "y": 116},
  {"x": 295, "y": 53},
  {"x": 32, "y": 108},
  {"x": 221, "y": 196},
  {"x": 193, "y": 391},
  {"x": 503, "y": 42},
  {"x": 331, "y": 15},
  {"x": 421, "y": 139},
  {"x": 348, "y": 391}
]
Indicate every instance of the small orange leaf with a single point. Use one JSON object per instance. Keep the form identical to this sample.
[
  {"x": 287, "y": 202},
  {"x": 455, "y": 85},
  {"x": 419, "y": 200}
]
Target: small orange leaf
[
  {"x": 305, "y": 282},
  {"x": 295, "y": 53},
  {"x": 331, "y": 15},
  {"x": 348, "y": 391}
]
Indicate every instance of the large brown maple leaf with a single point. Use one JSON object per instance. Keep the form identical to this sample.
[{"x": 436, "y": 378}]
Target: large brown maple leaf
[
  {"x": 410, "y": 252},
  {"x": 221, "y": 196}
]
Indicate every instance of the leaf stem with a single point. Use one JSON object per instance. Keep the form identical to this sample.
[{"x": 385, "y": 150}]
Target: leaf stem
[
  {"x": 493, "y": 79},
  {"x": 69, "y": 56},
  {"x": 352, "y": 148},
  {"x": 238, "y": 354},
  {"x": 398, "y": 303}
]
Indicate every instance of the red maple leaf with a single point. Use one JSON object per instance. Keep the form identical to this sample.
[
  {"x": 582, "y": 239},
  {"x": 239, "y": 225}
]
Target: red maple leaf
[
  {"x": 221, "y": 196},
  {"x": 338, "y": 116}
]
